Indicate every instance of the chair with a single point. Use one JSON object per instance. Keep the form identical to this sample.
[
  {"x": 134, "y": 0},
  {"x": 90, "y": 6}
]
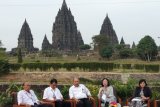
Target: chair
[
  {"x": 115, "y": 93},
  {"x": 156, "y": 103},
  {"x": 15, "y": 103}
]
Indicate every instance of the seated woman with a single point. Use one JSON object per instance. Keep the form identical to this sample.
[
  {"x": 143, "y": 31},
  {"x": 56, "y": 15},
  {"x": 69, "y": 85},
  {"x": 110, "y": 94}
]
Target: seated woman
[
  {"x": 141, "y": 95},
  {"x": 106, "y": 94}
]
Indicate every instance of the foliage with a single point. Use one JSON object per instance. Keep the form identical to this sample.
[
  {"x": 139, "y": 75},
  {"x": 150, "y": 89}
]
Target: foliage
[
  {"x": 100, "y": 41},
  {"x": 106, "y": 52},
  {"x": 2, "y": 53},
  {"x": 4, "y": 67},
  {"x": 85, "y": 47},
  {"x": 155, "y": 94},
  {"x": 92, "y": 66},
  {"x": 65, "y": 91},
  {"x": 93, "y": 89},
  {"x": 125, "y": 90},
  {"x": 147, "y": 48},
  {"x": 126, "y": 66},
  {"x": 152, "y": 68},
  {"x": 125, "y": 53},
  {"x": 5, "y": 97},
  {"x": 20, "y": 60}
]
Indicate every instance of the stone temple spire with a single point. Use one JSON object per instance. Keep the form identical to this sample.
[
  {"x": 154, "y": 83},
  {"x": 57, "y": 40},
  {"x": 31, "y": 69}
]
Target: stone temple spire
[
  {"x": 107, "y": 29},
  {"x": 25, "y": 40},
  {"x": 65, "y": 34},
  {"x": 46, "y": 45}
]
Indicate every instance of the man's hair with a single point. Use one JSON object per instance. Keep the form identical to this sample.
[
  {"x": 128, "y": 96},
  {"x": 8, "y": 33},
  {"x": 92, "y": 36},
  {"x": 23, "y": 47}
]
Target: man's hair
[
  {"x": 75, "y": 78},
  {"x": 53, "y": 81},
  {"x": 23, "y": 84}
]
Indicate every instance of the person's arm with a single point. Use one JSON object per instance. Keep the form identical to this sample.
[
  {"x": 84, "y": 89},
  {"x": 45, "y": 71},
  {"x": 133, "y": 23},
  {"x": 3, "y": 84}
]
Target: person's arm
[
  {"x": 71, "y": 96},
  {"x": 34, "y": 96},
  {"x": 100, "y": 93},
  {"x": 148, "y": 94},
  {"x": 87, "y": 91},
  {"x": 20, "y": 99},
  {"x": 59, "y": 92},
  {"x": 111, "y": 94},
  {"x": 45, "y": 97}
]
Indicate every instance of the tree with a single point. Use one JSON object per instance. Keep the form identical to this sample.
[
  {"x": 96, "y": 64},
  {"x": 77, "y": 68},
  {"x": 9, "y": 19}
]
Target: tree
[
  {"x": 147, "y": 48},
  {"x": 125, "y": 53},
  {"x": 106, "y": 52},
  {"x": 85, "y": 47},
  {"x": 122, "y": 41},
  {"x": 20, "y": 60},
  {"x": 2, "y": 51},
  {"x": 100, "y": 41}
]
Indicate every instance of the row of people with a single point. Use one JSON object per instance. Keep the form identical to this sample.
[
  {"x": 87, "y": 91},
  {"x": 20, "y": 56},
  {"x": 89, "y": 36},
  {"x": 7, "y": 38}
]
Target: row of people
[{"x": 79, "y": 93}]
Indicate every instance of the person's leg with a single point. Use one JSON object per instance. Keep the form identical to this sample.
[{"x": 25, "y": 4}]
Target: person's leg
[
  {"x": 59, "y": 103},
  {"x": 106, "y": 104},
  {"x": 87, "y": 102},
  {"x": 45, "y": 105},
  {"x": 80, "y": 104},
  {"x": 67, "y": 104}
]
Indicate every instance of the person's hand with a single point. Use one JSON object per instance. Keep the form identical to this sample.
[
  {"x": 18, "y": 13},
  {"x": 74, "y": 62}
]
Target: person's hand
[
  {"x": 77, "y": 100},
  {"x": 27, "y": 105},
  {"x": 144, "y": 98},
  {"x": 91, "y": 98}
]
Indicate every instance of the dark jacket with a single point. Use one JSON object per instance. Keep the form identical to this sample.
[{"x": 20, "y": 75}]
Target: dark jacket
[{"x": 147, "y": 92}]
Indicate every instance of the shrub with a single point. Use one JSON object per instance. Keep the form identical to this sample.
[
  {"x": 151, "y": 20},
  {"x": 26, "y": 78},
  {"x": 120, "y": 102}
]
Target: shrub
[
  {"x": 152, "y": 68},
  {"x": 4, "y": 67},
  {"x": 126, "y": 66}
]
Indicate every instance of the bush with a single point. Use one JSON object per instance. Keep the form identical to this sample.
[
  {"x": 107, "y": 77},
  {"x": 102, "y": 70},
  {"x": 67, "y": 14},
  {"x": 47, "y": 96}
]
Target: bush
[
  {"x": 126, "y": 66},
  {"x": 4, "y": 67},
  {"x": 139, "y": 66},
  {"x": 152, "y": 68}
]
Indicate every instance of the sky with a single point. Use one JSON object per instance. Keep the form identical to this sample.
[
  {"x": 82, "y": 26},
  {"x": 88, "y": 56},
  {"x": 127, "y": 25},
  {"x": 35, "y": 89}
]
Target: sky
[{"x": 131, "y": 19}]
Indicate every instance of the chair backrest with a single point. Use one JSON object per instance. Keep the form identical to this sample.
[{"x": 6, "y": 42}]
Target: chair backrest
[
  {"x": 14, "y": 97},
  {"x": 116, "y": 95}
]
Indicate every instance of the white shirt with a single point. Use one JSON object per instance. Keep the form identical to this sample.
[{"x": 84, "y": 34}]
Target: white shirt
[
  {"x": 79, "y": 92},
  {"x": 51, "y": 94},
  {"x": 25, "y": 97}
]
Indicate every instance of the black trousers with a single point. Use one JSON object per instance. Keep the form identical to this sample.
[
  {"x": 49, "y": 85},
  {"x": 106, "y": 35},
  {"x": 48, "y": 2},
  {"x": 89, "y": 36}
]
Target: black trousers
[
  {"x": 42, "y": 105},
  {"x": 85, "y": 102}
]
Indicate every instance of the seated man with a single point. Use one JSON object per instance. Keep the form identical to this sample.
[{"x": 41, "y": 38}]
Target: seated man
[
  {"x": 53, "y": 94},
  {"x": 80, "y": 94},
  {"x": 27, "y": 97}
]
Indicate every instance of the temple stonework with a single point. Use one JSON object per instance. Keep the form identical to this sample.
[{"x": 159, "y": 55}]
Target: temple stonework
[
  {"x": 65, "y": 35},
  {"x": 107, "y": 29},
  {"x": 46, "y": 45},
  {"x": 25, "y": 40}
]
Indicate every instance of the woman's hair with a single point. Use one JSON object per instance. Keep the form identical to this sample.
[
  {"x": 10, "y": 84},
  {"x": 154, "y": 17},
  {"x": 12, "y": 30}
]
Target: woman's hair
[
  {"x": 142, "y": 80},
  {"x": 107, "y": 81}
]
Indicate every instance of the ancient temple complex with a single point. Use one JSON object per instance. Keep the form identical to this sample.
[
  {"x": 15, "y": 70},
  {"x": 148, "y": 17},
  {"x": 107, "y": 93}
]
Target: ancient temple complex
[
  {"x": 107, "y": 29},
  {"x": 65, "y": 35}
]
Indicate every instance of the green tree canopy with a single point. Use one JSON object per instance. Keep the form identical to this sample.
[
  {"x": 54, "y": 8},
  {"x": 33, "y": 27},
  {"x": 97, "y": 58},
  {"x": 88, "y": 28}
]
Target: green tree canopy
[
  {"x": 85, "y": 47},
  {"x": 147, "y": 48},
  {"x": 2, "y": 51},
  {"x": 100, "y": 41},
  {"x": 106, "y": 52}
]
